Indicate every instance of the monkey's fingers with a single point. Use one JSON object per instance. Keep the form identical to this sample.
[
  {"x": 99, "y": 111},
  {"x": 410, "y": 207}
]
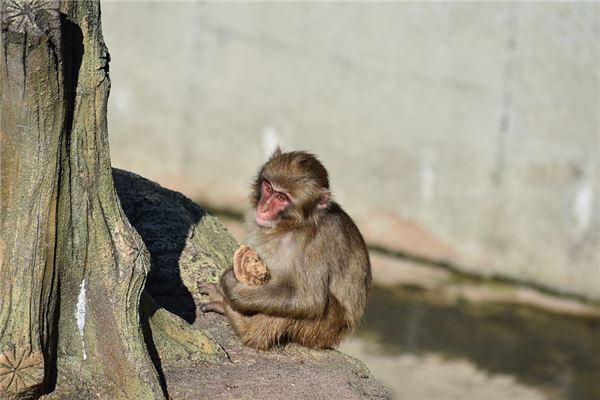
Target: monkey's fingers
[
  {"x": 214, "y": 306},
  {"x": 209, "y": 289}
]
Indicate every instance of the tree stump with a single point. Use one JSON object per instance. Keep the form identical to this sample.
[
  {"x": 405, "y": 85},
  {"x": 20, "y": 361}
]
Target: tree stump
[{"x": 72, "y": 268}]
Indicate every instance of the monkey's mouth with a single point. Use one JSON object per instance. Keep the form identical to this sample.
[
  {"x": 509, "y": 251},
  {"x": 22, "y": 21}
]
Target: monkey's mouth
[{"x": 262, "y": 221}]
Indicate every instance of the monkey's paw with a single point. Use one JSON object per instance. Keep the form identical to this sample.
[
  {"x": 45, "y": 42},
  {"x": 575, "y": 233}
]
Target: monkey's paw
[
  {"x": 215, "y": 297},
  {"x": 248, "y": 268},
  {"x": 209, "y": 289}
]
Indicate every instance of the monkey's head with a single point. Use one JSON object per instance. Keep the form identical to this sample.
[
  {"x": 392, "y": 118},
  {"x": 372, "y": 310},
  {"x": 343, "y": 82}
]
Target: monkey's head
[{"x": 291, "y": 189}]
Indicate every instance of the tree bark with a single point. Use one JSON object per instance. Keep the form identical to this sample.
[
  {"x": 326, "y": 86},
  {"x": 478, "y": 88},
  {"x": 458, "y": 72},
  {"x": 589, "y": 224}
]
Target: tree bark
[
  {"x": 32, "y": 122},
  {"x": 72, "y": 268}
]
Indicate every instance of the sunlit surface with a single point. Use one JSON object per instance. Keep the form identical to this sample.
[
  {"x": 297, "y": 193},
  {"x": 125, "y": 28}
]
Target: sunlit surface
[{"x": 434, "y": 351}]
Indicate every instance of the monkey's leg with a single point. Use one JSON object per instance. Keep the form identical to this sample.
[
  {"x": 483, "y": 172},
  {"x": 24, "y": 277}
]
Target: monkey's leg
[
  {"x": 258, "y": 331},
  {"x": 321, "y": 333},
  {"x": 216, "y": 303}
]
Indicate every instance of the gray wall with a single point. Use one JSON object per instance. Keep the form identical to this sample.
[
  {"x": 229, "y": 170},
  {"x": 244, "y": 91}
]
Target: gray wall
[{"x": 468, "y": 133}]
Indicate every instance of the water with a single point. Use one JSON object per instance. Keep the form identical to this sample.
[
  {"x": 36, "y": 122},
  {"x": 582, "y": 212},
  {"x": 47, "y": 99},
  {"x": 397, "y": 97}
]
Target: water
[{"x": 556, "y": 354}]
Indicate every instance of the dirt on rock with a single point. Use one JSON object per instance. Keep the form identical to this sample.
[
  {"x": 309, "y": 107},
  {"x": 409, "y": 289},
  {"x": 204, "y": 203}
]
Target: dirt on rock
[{"x": 288, "y": 373}]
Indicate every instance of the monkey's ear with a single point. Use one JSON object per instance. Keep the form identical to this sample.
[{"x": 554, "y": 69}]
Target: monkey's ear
[{"x": 324, "y": 200}]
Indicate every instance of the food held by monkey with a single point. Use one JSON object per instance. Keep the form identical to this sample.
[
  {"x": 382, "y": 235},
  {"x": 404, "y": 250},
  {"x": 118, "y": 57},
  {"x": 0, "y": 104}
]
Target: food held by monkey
[
  {"x": 247, "y": 267},
  {"x": 317, "y": 261}
]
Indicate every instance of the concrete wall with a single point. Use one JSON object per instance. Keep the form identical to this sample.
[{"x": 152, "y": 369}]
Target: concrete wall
[{"x": 468, "y": 133}]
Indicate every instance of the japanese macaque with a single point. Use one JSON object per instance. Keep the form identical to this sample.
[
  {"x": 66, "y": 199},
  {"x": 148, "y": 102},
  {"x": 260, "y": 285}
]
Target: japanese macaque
[{"x": 305, "y": 273}]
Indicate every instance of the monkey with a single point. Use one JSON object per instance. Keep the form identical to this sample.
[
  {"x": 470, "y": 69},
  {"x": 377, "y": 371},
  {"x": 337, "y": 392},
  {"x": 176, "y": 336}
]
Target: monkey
[{"x": 318, "y": 264}]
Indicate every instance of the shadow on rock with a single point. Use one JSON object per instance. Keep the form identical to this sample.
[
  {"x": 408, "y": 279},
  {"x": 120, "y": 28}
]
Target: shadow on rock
[{"x": 163, "y": 218}]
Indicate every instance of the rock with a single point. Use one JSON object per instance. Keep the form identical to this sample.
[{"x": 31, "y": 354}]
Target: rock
[
  {"x": 178, "y": 233},
  {"x": 187, "y": 244}
]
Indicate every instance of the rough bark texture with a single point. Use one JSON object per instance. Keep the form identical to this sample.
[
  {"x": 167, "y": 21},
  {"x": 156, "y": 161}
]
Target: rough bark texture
[
  {"x": 33, "y": 115},
  {"x": 72, "y": 268}
]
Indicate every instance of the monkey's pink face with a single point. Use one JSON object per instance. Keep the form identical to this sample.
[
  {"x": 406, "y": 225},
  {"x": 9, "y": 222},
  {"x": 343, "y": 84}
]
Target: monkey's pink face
[{"x": 271, "y": 203}]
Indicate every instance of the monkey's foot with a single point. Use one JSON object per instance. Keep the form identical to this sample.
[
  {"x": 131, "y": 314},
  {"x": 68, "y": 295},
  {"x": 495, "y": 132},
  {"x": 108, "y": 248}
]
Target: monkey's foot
[
  {"x": 213, "y": 306},
  {"x": 211, "y": 290},
  {"x": 248, "y": 268}
]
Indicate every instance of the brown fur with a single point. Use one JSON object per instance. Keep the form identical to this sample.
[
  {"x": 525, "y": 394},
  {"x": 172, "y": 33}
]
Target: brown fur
[{"x": 317, "y": 258}]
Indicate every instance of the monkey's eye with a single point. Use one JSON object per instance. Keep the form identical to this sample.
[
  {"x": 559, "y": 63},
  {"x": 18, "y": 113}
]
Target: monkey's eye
[
  {"x": 268, "y": 187},
  {"x": 281, "y": 197}
]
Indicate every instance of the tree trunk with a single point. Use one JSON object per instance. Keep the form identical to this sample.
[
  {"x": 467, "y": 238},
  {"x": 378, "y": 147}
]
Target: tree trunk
[{"x": 72, "y": 269}]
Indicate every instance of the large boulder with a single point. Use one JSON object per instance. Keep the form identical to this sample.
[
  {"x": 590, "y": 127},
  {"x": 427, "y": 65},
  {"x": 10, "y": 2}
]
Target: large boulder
[{"x": 187, "y": 245}]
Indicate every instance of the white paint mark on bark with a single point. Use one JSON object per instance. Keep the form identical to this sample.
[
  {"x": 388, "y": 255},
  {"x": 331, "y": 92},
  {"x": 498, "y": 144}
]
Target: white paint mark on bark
[{"x": 80, "y": 315}]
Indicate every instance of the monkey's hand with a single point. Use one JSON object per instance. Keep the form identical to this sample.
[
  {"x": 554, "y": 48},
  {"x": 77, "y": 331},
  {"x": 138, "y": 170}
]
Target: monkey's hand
[
  {"x": 248, "y": 268},
  {"x": 215, "y": 297}
]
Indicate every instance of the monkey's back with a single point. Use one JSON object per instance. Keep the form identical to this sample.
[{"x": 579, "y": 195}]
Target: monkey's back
[{"x": 349, "y": 263}]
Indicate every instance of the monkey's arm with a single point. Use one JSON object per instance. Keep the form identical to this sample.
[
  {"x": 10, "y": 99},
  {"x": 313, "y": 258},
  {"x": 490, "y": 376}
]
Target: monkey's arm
[{"x": 307, "y": 298}]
